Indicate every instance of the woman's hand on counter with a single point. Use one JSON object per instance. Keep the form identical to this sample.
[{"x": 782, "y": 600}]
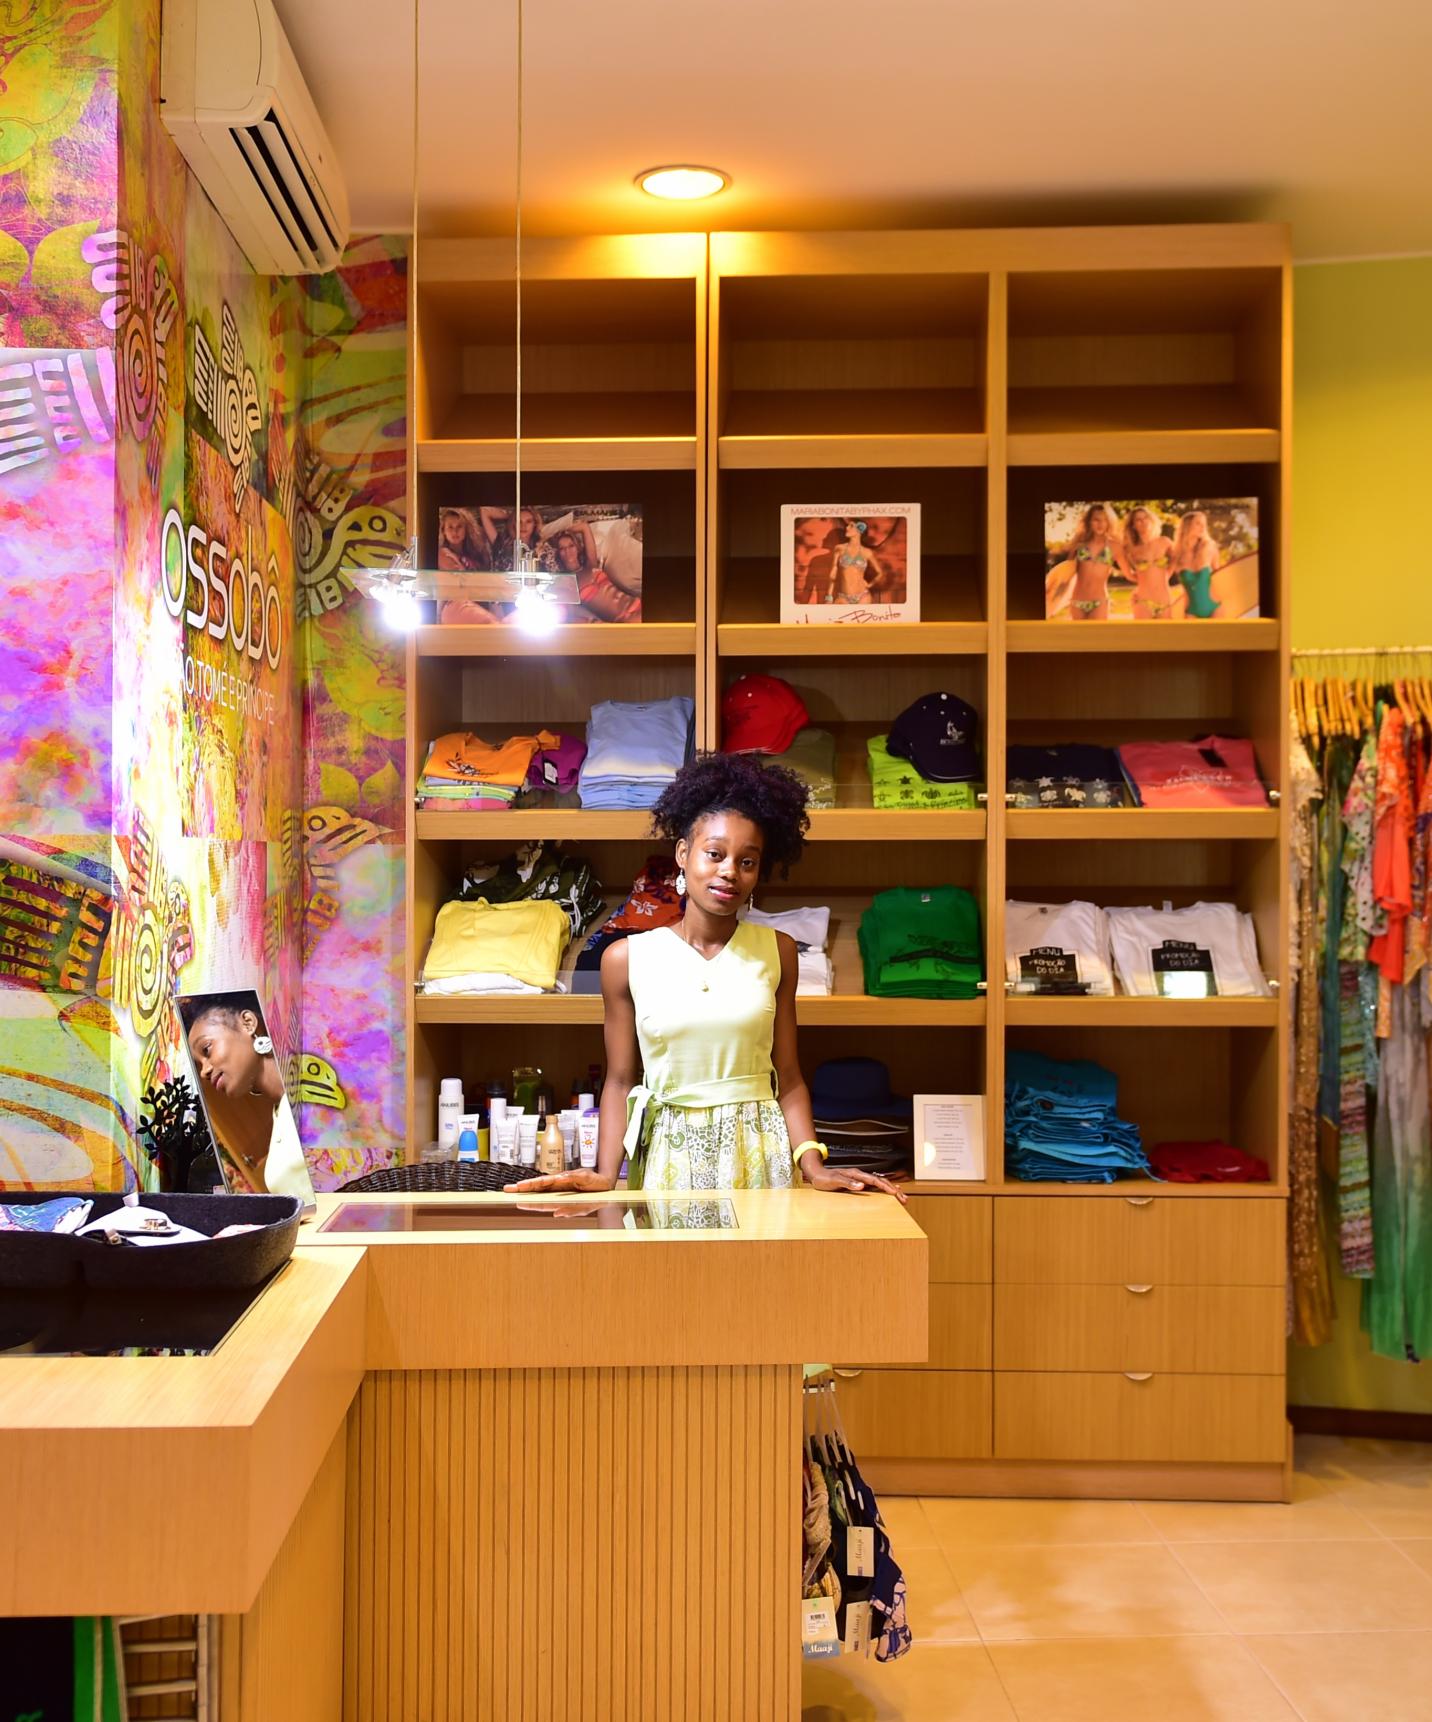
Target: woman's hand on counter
[
  {"x": 851, "y": 1181},
  {"x": 579, "y": 1181}
]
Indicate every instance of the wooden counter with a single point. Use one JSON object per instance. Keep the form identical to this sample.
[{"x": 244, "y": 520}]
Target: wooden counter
[{"x": 565, "y": 1480}]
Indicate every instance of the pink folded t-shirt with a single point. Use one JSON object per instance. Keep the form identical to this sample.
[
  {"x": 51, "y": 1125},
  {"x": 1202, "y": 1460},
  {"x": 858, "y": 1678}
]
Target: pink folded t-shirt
[{"x": 1214, "y": 771}]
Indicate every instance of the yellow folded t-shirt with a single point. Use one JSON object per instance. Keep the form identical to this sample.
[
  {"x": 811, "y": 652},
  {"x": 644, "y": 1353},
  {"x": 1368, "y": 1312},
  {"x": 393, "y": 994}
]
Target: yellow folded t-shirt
[{"x": 523, "y": 939}]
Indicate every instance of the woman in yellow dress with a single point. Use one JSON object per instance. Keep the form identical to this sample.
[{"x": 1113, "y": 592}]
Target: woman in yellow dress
[{"x": 704, "y": 1088}]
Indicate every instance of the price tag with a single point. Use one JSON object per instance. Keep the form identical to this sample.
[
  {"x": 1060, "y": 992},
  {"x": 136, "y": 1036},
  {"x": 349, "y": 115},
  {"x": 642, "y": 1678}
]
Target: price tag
[
  {"x": 860, "y": 1551},
  {"x": 818, "y": 1635},
  {"x": 857, "y": 1629}
]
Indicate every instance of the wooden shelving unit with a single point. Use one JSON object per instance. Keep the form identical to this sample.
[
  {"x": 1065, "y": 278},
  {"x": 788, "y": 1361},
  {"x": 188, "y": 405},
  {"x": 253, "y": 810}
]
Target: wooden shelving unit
[{"x": 980, "y": 374}]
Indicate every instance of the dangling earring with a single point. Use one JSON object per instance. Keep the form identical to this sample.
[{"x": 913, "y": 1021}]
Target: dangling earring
[
  {"x": 263, "y": 1046},
  {"x": 681, "y": 883},
  {"x": 751, "y": 901}
]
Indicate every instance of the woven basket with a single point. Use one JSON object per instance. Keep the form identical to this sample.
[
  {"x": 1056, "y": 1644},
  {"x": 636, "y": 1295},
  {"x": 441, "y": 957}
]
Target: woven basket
[{"x": 443, "y": 1177}]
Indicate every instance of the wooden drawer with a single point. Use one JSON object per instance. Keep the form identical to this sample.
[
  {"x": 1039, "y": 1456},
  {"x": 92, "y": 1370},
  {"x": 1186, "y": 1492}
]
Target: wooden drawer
[
  {"x": 960, "y": 1327},
  {"x": 1194, "y": 1330},
  {"x": 1139, "y": 1240},
  {"x": 1216, "y": 1419},
  {"x": 916, "y": 1413},
  {"x": 959, "y": 1229}
]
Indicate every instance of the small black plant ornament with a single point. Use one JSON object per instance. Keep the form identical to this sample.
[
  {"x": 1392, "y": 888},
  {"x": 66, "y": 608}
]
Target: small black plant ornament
[{"x": 174, "y": 1133}]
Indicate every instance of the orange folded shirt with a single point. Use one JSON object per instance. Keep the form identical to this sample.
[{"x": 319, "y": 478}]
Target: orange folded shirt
[{"x": 462, "y": 756}]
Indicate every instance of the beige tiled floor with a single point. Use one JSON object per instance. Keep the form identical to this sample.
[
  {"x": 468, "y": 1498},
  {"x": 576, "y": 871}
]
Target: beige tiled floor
[{"x": 1118, "y": 1611}]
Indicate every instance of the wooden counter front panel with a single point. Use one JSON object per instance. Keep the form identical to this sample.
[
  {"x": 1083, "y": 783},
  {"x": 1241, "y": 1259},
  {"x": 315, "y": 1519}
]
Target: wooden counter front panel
[
  {"x": 1144, "y": 1240},
  {"x": 1217, "y": 1419},
  {"x": 1197, "y": 1330},
  {"x": 916, "y": 1414},
  {"x": 558, "y": 1544}
]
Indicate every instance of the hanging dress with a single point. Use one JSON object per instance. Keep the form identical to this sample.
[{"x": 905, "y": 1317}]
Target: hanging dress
[
  {"x": 1357, "y": 1043},
  {"x": 1312, "y": 1301},
  {"x": 1397, "y": 1300},
  {"x": 705, "y": 1116}
]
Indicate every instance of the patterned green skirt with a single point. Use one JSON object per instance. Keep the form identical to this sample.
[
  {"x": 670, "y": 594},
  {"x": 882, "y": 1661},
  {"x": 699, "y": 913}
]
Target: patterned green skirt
[{"x": 740, "y": 1146}]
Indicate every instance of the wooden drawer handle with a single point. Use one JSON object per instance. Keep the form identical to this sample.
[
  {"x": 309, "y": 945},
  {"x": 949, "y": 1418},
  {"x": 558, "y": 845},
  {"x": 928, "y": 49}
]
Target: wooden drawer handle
[
  {"x": 1133, "y": 1375},
  {"x": 1139, "y": 1201},
  {"x": 1138, "y": 1291},
  {"x": 848, "y": 1374}
]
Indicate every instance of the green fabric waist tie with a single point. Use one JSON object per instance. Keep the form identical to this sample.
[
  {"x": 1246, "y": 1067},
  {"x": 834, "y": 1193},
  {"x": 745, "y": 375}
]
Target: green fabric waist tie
[{"x": 720, "y": 1091}]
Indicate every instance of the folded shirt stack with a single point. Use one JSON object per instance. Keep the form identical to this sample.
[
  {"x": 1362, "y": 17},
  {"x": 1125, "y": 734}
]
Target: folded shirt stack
[
  {"x": 897, "y": 782},
  {"x": 1075, "y": 775},
  {"x": 811, "y": 756},
  {"x": 1058, "y": 948},
  {"x": 810, "y": 928},
  {"x": 1213, "y": 771},
  {"x": 634, "y": 750},
  {"x": 882, "y": 1145},
  {"x": 1061, "y": 1123},
  {"x": 483, "y": 947},
  {"x": 922, "y": 944},
  {"x": 539, "y": 872},
  {"x": 464, "y": 773},
  {"x": 1209, "y": 950}
]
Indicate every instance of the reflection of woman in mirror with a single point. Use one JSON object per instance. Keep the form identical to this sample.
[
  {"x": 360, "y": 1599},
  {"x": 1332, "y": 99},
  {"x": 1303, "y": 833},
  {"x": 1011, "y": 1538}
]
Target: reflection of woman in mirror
[
  {"x": 1150, "y": 557},
  {"x": 1095, "y": 551},
  {"x": 1195, "y": 562},
  {"x": 244, "y": 1096}
]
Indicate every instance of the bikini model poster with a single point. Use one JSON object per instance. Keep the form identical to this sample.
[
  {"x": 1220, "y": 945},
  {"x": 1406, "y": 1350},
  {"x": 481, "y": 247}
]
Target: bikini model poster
[
  {"x": 1194, "y": 560},
  {"x": 850, "y": 562}
]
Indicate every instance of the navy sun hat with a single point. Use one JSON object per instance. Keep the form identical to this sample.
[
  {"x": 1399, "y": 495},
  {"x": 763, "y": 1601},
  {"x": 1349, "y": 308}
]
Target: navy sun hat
[
  {"x": 855, "y": 1088},
  {"x": 937, "y": 735}
]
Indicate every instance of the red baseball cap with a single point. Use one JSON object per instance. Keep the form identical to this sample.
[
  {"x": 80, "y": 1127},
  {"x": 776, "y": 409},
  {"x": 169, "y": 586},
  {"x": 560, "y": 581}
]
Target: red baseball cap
[{"x": 761, "y": 714}]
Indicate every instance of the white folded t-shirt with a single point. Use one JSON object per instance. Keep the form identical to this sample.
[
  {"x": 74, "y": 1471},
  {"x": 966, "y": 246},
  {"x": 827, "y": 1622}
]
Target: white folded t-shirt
[
  {"x": 1058, "y": 942},
  {"x": 1207, "y": 950}
]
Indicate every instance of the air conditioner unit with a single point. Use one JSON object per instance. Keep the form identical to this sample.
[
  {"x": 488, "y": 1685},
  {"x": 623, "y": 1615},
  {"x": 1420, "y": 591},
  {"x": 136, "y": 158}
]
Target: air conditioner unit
[{"x": 234, "y": 100}]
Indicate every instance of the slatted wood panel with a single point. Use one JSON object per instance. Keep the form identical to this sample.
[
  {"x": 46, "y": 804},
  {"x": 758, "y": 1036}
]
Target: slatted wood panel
[
  {"x": 571, "y": 1544},
  {"x": 162, "y": 1667}
]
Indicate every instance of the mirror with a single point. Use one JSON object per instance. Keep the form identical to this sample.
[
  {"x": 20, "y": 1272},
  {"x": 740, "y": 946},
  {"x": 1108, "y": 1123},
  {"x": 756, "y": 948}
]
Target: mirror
[{"x": 240, "y": 1082}]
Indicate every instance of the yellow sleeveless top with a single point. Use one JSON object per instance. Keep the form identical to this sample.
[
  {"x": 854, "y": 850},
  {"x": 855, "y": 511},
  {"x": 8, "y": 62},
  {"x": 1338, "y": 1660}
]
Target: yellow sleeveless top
[{"x": 703, "y": 1025}]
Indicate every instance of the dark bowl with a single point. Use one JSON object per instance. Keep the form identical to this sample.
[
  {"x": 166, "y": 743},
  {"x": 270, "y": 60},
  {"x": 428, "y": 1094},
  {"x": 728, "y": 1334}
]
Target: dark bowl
[{"x": 36, "y": 1260}]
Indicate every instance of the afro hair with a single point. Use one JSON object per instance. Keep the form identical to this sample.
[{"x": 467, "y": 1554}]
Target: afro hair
[{"x": 768, "y": 795}]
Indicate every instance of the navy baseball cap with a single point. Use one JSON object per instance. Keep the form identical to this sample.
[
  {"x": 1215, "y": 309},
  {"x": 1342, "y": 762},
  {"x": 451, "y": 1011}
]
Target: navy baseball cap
[{"x": 937, "y": 735}]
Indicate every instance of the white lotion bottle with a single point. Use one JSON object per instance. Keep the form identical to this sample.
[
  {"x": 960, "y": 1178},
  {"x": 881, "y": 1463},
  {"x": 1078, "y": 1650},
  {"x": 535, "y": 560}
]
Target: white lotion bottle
[{"x": 450, "y": 1115}]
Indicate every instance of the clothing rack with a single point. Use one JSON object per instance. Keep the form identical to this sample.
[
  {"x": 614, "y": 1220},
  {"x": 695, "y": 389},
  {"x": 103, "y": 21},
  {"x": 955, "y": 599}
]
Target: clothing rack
[{"x": 1363, "y": 652}]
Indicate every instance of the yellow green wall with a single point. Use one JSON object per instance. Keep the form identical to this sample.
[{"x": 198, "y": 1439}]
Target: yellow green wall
[
  {"x": 1362, "y": 453},
  {"x": 1362, "y": 480}
]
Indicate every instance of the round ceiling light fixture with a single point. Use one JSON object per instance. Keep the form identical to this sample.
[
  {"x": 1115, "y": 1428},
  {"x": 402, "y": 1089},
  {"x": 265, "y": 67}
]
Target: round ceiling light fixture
[{"x": 683, "y": 181}]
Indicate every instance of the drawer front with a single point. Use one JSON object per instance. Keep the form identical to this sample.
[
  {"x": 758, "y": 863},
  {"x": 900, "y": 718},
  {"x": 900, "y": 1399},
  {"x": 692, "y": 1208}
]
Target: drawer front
[
  {"x": 1139, "y": 1240},
  {"x": 1215, "y": 1419},
  {"x": 1190, "y": 1330},
  {"x": 961, "y": 1328},
  {"x": 916, "y": 1413},
  {"x": 960, "y": 1231}
]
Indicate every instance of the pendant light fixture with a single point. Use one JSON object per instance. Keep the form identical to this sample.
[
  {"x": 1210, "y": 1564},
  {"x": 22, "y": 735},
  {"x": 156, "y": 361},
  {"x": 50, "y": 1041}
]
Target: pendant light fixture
[{"x": 400, "y": 586}]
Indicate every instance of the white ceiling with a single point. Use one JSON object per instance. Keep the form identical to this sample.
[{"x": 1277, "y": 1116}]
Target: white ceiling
[{"x": 831, "y": 113}]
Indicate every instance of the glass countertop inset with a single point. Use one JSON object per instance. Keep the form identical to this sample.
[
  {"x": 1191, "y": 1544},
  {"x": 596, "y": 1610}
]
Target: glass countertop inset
[{"x": 640, "y": 1214}]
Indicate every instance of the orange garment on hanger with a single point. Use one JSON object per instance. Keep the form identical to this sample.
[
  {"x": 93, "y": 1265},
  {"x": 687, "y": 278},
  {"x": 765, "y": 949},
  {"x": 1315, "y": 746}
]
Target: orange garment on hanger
[
  {"x": 461, "y": 756},
  {"x": 1391, "y": 848}
]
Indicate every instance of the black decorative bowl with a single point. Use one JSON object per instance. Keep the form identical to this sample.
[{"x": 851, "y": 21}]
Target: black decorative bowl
[{"x": 33, "y": 1261}]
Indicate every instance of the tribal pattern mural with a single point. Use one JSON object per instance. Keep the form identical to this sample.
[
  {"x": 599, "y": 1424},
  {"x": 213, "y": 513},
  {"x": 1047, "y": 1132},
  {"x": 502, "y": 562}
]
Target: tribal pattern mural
[{"x": 200, "y": 727}]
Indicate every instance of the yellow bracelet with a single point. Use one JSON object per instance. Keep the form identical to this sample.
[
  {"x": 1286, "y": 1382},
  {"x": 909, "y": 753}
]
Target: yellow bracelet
[{"x": 819, "y": 1147}]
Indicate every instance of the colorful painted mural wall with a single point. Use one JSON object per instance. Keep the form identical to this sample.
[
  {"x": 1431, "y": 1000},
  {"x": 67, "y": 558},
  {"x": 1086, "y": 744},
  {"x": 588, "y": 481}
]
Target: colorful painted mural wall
[{"x": 200, "y": 728}]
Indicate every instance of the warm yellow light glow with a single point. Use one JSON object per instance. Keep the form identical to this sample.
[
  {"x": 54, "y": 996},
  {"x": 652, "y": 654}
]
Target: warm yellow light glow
[{"x": 683, "y": 182}]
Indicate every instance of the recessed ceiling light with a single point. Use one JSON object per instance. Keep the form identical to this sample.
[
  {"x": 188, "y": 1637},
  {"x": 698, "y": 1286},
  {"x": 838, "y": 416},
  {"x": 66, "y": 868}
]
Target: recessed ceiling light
[{"x": 683, "y": 181}]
